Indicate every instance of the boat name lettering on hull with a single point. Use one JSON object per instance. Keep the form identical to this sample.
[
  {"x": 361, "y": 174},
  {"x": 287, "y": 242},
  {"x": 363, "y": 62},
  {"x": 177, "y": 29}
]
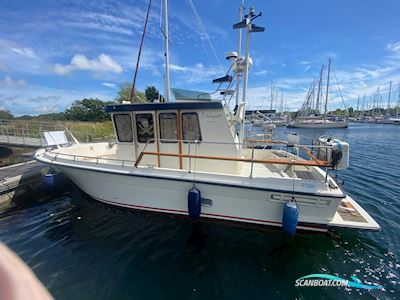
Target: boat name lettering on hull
[{"x": 211, "y": 117}]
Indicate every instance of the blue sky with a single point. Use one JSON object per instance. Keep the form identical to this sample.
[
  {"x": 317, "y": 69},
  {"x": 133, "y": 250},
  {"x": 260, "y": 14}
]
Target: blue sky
[{"x": 55, "y": 52}]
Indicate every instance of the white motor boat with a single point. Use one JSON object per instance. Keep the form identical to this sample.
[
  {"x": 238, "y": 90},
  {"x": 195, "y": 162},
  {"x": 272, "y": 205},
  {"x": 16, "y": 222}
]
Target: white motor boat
[
  {"x": 187, "y": 158},
  {"x": 163, "y": 150}
]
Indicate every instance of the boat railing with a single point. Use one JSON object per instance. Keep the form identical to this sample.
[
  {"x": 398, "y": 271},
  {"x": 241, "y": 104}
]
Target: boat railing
[
  {"x": 290, "y": 160},
  {"x": 314, "y": 161},
  {"x": 96, "y": 159}
]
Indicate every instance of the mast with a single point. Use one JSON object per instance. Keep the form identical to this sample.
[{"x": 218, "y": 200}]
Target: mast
[
  {"x": 247, "y": 23},
  {"x": 327, "y": 89},
  {"x": 272, "y": 94},
  {"x": 247, "y": 57},
  {"x": 166, "y": 45},
  {"x": 239, "y": 51},
  {"x": 388, "y": 105},
  {"x": 358, "y": 105},
  {"x": 317, "y": 104},
  {"x": 398, "y": 103}
]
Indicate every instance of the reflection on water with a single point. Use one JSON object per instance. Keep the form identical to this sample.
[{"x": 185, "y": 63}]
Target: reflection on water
[{"x": 84, "y": 249}]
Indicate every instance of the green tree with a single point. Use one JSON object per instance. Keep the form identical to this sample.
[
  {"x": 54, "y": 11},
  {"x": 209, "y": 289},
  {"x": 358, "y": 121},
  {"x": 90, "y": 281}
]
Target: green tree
[
  {"x": 124, "y": 94},
  {"x": 5, "y": 114},
  {"x": 151, "y": 93},
  {"x": 87, "y": 110}
]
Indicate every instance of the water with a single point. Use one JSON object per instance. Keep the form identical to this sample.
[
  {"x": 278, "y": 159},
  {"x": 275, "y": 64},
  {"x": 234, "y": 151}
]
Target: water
[{"x": 82, "y": 249}]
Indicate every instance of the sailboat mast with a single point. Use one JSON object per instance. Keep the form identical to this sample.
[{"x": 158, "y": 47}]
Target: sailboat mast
[
  {"x": 317, "y": 104},
  {"x": 390, "y": 92},
  {"x": 398, "y": 103},
  {"x": 272, "y": 94},
  {"x": 166, "y": 45},
  {"x": 327, "y": 89}
]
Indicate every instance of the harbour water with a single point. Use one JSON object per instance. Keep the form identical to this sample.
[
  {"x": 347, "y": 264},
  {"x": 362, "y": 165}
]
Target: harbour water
[{"x": 81, "y": 249}]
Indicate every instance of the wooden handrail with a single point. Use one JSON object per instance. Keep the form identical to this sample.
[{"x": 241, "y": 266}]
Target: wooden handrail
[{"x": 316, "y": 162}]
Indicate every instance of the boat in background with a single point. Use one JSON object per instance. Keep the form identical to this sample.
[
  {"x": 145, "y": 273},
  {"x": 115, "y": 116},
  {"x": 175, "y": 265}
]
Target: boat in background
[{"x": 309, "y": 116}]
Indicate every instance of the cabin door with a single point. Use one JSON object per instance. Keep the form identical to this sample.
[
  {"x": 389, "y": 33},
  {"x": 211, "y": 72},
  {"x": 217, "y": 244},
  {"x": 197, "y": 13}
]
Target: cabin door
[
  {"x": 168, "y": 138},
  {"x": 145, "y": 134}
]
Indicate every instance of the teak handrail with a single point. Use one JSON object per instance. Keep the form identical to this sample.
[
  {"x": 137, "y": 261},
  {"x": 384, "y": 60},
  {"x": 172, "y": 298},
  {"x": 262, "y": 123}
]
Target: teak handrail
[{"x": 314, "y": 162}]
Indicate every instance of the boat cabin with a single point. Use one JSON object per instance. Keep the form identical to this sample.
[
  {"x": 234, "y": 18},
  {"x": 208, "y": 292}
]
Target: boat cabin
[{"x": 179, "y": 128}]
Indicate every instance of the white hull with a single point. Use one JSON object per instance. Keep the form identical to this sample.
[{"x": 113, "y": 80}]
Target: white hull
[
  {"x": 170, "y": 196},
  {"x": 232, "y": 200},
  {"x": 319, "y": 125}
]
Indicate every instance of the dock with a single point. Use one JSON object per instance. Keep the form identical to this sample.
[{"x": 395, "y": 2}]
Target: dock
[
  {"x": 19, "y": 181},
  {"x": 21, "y": 141}
]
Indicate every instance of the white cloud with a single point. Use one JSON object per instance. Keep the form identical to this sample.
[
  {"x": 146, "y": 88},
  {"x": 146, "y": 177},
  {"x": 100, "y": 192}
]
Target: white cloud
[
  {"x": 45, "y": 109},
  {"x": 79, "y": 62},
  {"x": 28, "y": 52},
  {"x": 259, "y": 73},
  {"x": 197, "y": 73},
  {"x": 12, "y": 82},
  {"x": 307, "y": 68},
  {"x": 393, "y": 47},
  {"x": 177, "y": 68},
  {"x": 109, "y": 85}
]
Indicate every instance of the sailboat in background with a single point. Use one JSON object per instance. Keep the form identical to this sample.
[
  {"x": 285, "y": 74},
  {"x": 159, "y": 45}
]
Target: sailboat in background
[{"x": 310, "y": 116}]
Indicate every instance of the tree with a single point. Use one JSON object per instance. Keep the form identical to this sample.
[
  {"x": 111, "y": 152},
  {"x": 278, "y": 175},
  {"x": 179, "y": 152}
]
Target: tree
[
  {"x": 124, "y": 94},
  {"x": 5, "y": 114},
  {"x": 88, "y": 110},
  {"x": 151, "y": 93}
]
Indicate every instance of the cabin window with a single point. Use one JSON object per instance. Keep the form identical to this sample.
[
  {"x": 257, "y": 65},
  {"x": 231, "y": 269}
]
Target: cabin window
[
  {"x": 145, "y": 127},
  {"x": 123, "y": 127},
  {"x": 168, "y": 127},
  {"x": 190, "y": 127}
]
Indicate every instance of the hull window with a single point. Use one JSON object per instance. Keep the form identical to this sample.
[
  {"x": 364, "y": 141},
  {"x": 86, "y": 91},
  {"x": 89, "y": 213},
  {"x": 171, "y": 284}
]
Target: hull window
[
  {"x": 123, "y": 126},
  {"x": 168, "y": 127},
  {"x": 190, "y": 127},
  {"x": 145, "y": 127}
]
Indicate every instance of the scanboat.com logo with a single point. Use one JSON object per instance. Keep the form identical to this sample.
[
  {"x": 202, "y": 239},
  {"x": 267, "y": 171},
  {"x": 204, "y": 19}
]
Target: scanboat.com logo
[{"x": 331, "y": 280}]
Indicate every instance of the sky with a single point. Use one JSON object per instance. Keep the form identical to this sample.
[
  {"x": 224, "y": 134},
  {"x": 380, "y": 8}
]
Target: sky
[{"x": 54, "y": 52}]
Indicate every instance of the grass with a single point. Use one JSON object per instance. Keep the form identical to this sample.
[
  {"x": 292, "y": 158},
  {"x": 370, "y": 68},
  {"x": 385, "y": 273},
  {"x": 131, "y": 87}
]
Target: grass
[{"x": 83, "y": 131}]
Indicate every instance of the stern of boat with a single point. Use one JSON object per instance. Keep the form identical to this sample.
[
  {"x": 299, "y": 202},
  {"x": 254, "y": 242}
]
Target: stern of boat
[{"x": 351, "y": 215}]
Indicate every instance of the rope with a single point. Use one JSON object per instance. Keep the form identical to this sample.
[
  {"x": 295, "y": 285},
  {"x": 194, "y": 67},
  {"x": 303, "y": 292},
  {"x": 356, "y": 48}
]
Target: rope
[
  {"x": 203, "y": 30},
  {"x": 340, "y": 91},
  {"x": 133, "y": 92}
]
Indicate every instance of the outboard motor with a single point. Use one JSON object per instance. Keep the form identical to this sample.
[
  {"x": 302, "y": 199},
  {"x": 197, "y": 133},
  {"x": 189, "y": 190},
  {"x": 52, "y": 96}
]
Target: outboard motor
[
  {"x": 194, "y": 202},
  {"x": 337, "y": 154}
]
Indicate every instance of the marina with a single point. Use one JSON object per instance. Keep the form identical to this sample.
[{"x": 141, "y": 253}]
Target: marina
[
  {"x": 132, "y": 168},
  {"x": 160, "y": 254}
]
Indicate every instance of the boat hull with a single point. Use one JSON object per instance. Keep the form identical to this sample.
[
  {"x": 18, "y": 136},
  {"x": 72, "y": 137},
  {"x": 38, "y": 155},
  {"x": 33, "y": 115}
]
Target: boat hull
[
  {"x": 319, "y": 125},
  {"x": 220, "y": 202}
]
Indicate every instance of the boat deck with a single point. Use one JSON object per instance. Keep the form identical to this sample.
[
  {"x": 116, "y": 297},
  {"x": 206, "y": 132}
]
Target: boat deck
[{"x": 351, "y": 215}]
